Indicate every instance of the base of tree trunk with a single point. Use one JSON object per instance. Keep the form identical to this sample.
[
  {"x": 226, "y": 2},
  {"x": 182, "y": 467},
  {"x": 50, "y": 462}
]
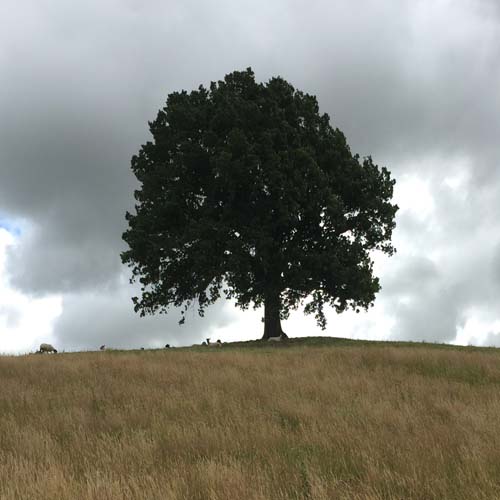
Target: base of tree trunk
[
  {"x": 274, "y": 333},
  {"x": 272, "y": 320},
  {"x": 272, "y": 328}
]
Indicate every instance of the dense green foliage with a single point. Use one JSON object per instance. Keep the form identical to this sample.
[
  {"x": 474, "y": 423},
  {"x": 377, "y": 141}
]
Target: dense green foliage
[{"x": 247, "y": 191}]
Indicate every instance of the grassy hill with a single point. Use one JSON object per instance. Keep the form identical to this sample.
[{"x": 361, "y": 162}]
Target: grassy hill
[{"x": 315, "y": 418}]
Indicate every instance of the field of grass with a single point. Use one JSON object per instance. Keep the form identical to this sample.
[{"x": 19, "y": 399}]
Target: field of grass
[{"x": 313, "y": 419}]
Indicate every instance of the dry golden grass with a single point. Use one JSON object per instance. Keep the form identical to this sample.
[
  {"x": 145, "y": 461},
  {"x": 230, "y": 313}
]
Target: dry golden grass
[{"x": 319, "y": 423}]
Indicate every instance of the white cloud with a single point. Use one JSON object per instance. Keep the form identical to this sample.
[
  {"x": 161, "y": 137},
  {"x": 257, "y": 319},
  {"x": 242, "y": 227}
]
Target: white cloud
[
  {"x": 412, "y": 194},
  {"x": 24, "y": 321}
]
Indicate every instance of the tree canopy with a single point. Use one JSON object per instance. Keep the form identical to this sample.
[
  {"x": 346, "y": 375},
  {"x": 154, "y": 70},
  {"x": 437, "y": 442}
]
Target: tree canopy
[{"x": 246, "y": 191}]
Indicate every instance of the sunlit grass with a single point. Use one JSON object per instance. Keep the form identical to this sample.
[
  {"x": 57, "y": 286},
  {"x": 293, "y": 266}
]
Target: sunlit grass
[{"x": 342, "y": 421}]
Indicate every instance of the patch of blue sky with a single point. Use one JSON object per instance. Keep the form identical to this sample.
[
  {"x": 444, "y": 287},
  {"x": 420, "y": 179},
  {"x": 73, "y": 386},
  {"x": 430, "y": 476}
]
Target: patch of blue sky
[{"x": 10, "y": 226}]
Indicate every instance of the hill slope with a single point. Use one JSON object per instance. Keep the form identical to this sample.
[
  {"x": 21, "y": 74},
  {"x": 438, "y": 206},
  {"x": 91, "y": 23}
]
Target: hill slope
[{"x": 349, "y": 420}]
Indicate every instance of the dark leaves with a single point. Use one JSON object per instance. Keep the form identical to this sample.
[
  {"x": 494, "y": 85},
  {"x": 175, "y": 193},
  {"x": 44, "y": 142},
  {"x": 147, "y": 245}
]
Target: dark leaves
[{"x": 247, "y": 191}]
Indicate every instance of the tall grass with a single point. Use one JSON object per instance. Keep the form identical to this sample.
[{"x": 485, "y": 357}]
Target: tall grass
[{"x": 318, "y": 423}]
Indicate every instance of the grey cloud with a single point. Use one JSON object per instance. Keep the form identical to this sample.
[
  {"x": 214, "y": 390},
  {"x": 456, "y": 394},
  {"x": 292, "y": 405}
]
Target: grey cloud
[
  {"x": 43, "y": 265},
  {"x": 430, "y": 318},
  {"x": 495, "y": 266},
  {"x": 424, "y": 306},
  {"x": 448, "y": 265},
  {"x": 425, "y": 81},
  {"x": 85, "y": 92},
  {"x": 406, "y": 272}
]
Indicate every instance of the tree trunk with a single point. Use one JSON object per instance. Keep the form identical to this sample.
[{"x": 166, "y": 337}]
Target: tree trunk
[{"x": 272, "y": 322}]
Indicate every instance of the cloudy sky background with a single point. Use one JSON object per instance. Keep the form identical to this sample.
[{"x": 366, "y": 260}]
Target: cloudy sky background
[{"x": 415, "y": 84}]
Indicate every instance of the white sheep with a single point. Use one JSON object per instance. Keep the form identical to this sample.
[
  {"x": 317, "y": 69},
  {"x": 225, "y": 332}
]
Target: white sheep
[
  {"x": 276, "y": 339},
  {"x": 47, "y": 348},
  {"x": 217, "y": 344}
]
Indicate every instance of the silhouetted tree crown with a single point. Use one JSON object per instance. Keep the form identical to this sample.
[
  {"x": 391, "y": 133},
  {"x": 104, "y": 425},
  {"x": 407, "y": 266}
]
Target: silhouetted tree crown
[{"x": 246, "y": 191}]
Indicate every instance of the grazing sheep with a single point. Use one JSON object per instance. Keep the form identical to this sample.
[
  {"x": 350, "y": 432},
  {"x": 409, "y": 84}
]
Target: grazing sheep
[
  {"x": 217, "y": 344},
  {"x": 102, "y": 348},
  {"x": 47, "y": 348},
  {"x": 276, "y": 339}
]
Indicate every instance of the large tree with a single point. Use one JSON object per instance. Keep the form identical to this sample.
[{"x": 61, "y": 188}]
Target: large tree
[{"x": 247, "y": 192}]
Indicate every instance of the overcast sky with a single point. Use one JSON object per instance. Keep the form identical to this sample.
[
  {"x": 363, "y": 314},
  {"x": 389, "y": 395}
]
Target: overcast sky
[{"x": 415, "y": 84}]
